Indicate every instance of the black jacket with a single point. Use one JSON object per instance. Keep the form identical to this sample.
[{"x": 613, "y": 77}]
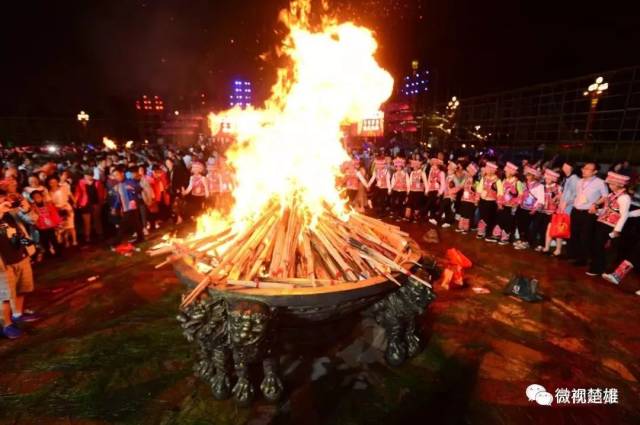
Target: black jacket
[{"x": 178, "y": 178}]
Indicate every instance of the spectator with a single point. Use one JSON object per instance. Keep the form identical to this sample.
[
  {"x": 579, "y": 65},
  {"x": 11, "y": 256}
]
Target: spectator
[
  {"x": 35, "y": 184},
  {"x": 197, "y": 191},
  {"x": 11, "y": 172},
  {"x": 66, "y": 180},
  {"x": 11, "y": 186},
  {"x": 178, "y": 182},
  {"x": 611, "y": 221},
  {"x": 63, "y": 200},
  {"x": 569, "y": 187},
  {"x": 47, "y": 224},
  {"x": 126, "y": 196},
  {"x": 590, "y": 191},
  {"x": 160, "y": 184},
  {"x": 531, "y": 201},
  {"x": 149, "y": 207},
  {"x": 90, "y": 196},
  {"x": 16, "y": 276},
  {"x": 100, "y": 170}
]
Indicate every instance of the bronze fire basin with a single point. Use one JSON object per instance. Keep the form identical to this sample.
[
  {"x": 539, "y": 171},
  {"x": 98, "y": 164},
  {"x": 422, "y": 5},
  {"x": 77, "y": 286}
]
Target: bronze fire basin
[{"x": 242, "y": 325}]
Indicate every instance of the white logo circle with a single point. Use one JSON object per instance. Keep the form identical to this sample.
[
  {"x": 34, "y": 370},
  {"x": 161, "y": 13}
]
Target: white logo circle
[{"x": 534, "y": 389}]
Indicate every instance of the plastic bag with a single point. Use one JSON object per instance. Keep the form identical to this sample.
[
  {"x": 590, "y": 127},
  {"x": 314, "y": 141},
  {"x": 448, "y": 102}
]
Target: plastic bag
[{"x": 560, "y": 226}]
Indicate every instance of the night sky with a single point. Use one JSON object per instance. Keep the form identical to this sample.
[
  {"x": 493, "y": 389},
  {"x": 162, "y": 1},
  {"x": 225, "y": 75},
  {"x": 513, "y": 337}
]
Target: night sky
[{"x": 62, "y": 56}]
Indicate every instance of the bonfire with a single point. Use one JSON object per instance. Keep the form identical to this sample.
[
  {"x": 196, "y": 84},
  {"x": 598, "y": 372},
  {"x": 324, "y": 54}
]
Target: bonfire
[{"x": 290, "y": 225}]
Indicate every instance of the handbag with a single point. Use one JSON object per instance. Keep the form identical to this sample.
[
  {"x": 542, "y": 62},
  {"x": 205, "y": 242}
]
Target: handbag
[{"x": 560, "y": 226}]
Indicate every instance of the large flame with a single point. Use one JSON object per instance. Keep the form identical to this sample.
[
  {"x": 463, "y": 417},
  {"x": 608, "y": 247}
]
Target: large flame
[{"x": 291, "y": 150}]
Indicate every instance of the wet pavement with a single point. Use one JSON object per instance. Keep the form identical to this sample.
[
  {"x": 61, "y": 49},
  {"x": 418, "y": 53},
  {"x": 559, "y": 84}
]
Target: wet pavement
[{"x": 109, "y": 351}]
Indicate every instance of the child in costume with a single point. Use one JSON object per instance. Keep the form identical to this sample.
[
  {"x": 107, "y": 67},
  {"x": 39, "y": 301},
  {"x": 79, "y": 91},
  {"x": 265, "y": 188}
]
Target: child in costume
[
  {"x": 382, "y": 178},
  {"x": 435, "y": 189},
  {"x": 468, "y": 200},
  {"x": 532, "y": 202},
  {"x": 417, "y": 186},
  {"x": 453, "y": 184},
  {"x": 611, "y": 220},
  {"x": 488, "y": 188},
  {"x": 552, "y": 198},
  {"x": 197, "y": 191},
  {"x": 399, "y": 187},
  {"x": 509, "y": 197}
]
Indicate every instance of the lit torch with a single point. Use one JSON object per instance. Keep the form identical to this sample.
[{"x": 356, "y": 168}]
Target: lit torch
[{"x": 109, "y": 144}]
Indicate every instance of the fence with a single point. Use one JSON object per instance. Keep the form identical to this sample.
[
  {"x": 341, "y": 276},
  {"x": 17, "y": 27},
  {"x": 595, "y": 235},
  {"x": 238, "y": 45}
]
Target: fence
[{"x": 556, "y": 115}]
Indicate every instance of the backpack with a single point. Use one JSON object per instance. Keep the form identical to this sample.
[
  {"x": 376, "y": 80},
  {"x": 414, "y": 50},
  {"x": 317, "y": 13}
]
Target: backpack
[{"x": 523, "y": 288}]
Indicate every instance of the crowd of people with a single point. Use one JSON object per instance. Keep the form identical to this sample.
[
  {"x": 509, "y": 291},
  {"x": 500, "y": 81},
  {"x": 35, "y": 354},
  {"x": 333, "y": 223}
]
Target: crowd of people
[
  {"x": 550, "y": 207},
  {"x": 55, "y": 199}
]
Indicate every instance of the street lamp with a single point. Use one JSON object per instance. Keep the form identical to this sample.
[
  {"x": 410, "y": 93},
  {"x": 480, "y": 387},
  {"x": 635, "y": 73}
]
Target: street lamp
[
  {"x": 451, "y": 110},
  {"x": 594, "y": 91},
  {"x": 83, "y": 118},
  {"x": 597, "y": 88},
  {"x": 452, "y": 106}
]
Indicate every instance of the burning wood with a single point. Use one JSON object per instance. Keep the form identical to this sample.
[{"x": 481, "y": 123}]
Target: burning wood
[{"x": 281, "y": 251}]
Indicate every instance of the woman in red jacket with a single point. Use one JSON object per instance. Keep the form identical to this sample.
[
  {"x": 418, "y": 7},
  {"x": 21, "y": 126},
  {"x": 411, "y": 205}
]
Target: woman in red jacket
[{"x": 90, "y": 197}]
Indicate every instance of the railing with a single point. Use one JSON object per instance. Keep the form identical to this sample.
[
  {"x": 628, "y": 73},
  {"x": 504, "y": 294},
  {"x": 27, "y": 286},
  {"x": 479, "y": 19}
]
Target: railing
[{"x": 557, "y": 115}]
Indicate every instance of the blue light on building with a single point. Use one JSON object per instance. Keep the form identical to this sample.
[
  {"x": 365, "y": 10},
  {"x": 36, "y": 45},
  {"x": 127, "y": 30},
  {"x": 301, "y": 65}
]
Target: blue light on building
[
  {"x": 416, "y": 83},
  {"x": 240, "y": 94}
]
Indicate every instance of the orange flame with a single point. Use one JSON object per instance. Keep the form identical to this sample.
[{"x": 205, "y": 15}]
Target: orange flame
[
  {"x": 291, "y": 149},
  {"x": 109, "y": 144}
]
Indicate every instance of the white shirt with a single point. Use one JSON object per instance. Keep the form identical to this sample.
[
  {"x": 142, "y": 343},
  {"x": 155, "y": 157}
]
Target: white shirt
[
  {"x": 588, "y": 192},
  {"x": 98, "y": 174}
]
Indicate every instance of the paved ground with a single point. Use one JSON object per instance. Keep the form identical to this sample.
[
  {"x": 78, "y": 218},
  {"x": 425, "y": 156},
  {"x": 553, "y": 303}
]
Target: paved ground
[{"x": 110, "y": 351}]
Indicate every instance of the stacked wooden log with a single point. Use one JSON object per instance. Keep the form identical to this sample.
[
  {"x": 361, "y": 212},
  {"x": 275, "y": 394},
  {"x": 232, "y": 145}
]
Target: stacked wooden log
[{"x": 283, "y": 249}]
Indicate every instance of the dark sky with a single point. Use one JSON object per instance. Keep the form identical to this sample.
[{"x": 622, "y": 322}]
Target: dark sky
[{"x": 61, "y": 56}]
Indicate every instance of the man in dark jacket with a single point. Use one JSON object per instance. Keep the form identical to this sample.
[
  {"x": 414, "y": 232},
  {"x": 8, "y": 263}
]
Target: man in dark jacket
[{"x": 178, "y": 181}]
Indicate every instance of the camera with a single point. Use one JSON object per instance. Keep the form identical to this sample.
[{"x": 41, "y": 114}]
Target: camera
[
  {"x": 16, "y": 203},
  {"x": 16, "y": 238},
  {"x": 21, "y": 240}
]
